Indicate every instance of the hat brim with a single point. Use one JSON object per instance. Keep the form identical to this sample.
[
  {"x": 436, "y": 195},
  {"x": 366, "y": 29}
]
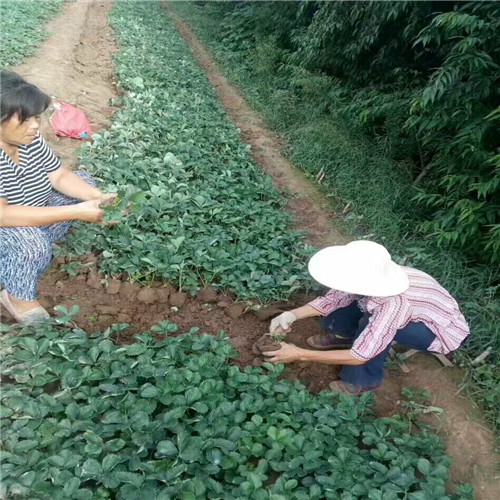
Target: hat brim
[{"x": 332, "y": 267}]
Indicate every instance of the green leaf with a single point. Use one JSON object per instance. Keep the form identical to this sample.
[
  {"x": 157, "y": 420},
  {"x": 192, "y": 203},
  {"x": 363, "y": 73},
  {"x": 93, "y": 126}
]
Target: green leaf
[
  {"x": 114, "y": 444},
  {"x": 109, "y": 462},
  {"x": 167, "y": 448},
  {"x": 25, "y": 445},
  {"x": 192, "y": 395},
  {"x": 91, "y": 469},
  {"x": 71, "y": 487},
  {"x": 149, "y": 391},
  {"x": 424, "y": 466},
  {"x": 114, "y": 417}
]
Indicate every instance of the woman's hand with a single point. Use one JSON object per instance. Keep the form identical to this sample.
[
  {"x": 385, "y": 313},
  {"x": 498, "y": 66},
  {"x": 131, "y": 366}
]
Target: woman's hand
[
  {"x": 282, "y": 323},
  {"x": 89, "y": 211},
  {"x": 107, "y": 198},
  {"x": 287, "y": 354}
]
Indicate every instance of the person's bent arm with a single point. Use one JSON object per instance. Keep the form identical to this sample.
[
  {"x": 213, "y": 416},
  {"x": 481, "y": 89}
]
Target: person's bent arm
[
  {"x": 337, "y": 357},
  {"x": 306, "y": 311},
  {"x": 66, "y": 182},
  {"x": 290, "y": 353},
  {"x": 281, "y": 324},
  {"x": 21, "y": 215}
]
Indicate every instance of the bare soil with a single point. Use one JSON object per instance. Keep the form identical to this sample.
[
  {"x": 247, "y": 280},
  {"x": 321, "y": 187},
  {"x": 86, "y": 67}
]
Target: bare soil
[{"x": 74, "y": 65}]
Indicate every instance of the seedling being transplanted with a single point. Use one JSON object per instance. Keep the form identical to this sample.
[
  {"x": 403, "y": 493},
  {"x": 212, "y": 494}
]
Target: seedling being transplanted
[{"x": 416, "y": 404}]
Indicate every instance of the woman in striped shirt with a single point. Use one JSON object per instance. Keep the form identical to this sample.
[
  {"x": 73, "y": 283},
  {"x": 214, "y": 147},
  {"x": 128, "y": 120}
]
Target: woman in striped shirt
[
  {"x": 373, "y": 301},
  {"x": 38, "y": 197}
]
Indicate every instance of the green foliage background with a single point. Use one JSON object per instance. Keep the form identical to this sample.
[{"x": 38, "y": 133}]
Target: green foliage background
[
  {"x": 23, "y": 27},
  {"x": 371, "y": 163},
  {"x": 419, "y": 78}
]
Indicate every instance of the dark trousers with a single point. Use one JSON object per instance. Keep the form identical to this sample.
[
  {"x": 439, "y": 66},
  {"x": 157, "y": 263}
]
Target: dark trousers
[{"x": 350, "y": 322}]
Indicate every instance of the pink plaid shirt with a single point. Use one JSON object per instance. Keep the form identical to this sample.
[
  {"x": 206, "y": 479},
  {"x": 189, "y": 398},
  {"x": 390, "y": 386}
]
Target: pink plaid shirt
[{"x": 425, "y": 301}]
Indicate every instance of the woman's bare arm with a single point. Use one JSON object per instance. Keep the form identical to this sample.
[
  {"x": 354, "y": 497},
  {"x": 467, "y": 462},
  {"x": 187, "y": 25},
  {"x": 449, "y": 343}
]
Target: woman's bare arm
[
  {"x": 306, "y": 311},
  {"x": 20, "y": 215},
  {"x": 66, "y": 182}
]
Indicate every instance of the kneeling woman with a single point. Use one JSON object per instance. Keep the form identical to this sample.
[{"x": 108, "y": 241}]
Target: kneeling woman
[
  {"x": 38, "y": 197},
  {"x": 373, "y": 301}
]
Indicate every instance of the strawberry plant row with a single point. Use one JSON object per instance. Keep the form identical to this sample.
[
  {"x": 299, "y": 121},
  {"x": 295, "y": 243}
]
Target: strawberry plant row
[
  {"x": 23, "y": 26},
  {"x": 208, "y": 215},
  {"x": 84, "y": 418}
]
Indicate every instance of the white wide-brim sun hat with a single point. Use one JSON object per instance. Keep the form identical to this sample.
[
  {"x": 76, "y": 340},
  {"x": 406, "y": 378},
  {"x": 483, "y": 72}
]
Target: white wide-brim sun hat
[{"x": 361, "y": 268}]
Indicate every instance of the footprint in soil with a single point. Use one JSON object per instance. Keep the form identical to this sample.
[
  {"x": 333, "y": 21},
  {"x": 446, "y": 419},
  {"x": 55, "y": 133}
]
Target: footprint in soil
[{"x": 266, "y": 343}]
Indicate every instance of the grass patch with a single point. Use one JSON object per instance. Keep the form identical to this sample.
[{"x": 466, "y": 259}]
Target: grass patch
[{"x": 23, "y": 28}]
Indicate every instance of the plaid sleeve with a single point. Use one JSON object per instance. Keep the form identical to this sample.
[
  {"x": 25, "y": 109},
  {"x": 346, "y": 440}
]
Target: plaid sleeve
[
  {"x": 385, "y": 321},
  {"x": 333, "y": 300},
  {"x": 45, "y": 156}
]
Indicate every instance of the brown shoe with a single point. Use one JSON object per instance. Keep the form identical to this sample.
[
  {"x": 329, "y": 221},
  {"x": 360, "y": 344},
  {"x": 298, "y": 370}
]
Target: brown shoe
[{"x": 328, "y": 342}]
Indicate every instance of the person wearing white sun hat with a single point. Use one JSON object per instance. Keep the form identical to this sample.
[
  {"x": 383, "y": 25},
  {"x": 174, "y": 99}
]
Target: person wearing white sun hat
[{"x": 372, "y": 302}]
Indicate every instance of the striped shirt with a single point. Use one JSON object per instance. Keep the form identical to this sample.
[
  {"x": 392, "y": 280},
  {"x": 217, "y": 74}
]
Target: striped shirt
[
  {"x": 28, "y": 182},
  {"x": 425, "y": 301}
]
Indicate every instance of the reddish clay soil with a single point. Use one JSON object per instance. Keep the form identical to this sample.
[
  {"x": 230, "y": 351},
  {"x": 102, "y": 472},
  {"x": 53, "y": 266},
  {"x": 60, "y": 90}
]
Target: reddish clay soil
[{"x": 74, "y": 64}]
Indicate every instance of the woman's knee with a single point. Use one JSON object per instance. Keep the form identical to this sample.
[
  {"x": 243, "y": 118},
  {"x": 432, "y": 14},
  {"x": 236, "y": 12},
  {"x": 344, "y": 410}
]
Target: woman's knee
[
  {"x": 343, "y": 321},
  {"x": 27, "y": 248}
]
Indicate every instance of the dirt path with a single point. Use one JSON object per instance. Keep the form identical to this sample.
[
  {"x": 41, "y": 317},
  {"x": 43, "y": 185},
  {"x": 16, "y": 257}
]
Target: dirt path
[
  {"x": 309, "y": 208},
  {"x": 468, "y": 442},
  {"x": 74, "y": 65}
]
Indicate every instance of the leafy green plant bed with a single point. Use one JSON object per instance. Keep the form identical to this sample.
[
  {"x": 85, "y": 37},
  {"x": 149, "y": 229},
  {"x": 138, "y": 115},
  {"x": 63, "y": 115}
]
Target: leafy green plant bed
[
  {"x": 85, "y": 418},
  {"x": 23, "y": 27},
  {"x": 208, "y": 215}
]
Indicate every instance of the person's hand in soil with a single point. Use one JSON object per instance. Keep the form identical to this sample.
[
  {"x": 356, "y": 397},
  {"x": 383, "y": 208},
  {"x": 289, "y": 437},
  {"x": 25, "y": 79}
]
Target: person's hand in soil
[
  {"x": 287, "y": 354},
  {"x": 282, "y": 323},
  {"x": 266, "y": 343}
]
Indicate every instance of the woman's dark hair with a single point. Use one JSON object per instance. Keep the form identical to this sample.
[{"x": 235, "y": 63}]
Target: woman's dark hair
[{"x": 19, "y": 96}]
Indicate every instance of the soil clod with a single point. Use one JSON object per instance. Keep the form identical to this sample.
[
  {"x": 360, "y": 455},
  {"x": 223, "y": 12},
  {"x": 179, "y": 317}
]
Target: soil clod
[
  {"x": 163, "y": 294},
  {"x": 94, "y": 281},
  {"x": 129, "y": 291},
  {"x": 236, "y": 310},
  {"x": 207, "y": 295},
  {"x": 147, "y": 295},
  {"x": 113, "y": 287},
  {"x": 105, "y": 309},
  {"x": 178, "y": 299}
]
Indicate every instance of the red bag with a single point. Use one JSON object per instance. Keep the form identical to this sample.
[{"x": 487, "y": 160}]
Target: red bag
[{"x": 68, "y": 121}]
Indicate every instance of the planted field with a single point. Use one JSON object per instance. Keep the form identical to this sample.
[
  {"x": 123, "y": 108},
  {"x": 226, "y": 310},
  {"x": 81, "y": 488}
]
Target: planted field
[
  {"x": 208, "y": 215},
  {"x": 84, "y": 418},
  {"x": 23, "y": 27},
  {"x": 184, "y": 410}
]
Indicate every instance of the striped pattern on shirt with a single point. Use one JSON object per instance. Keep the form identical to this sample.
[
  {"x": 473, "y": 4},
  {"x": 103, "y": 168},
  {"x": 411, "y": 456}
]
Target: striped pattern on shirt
[
  {"x": 28, "y": 183},
  {"x": 425, "y": 301}
]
